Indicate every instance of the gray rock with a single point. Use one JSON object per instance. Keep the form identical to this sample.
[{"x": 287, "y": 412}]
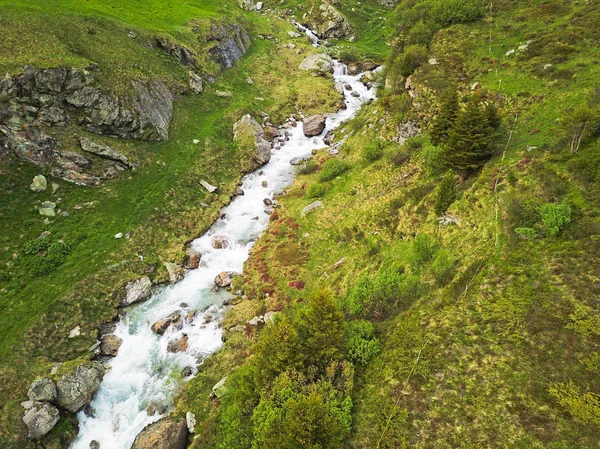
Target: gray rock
[
  {"x": 175, "y": 272},
  {"x": 224, "y": 93},
  {"x": 40, "y": 418},
  {"x": 110, "y": 345},
  {"x": 47, "y": 209},
  {"x": 94, "y": 444},
  {"x": 259, "y": 6},
  {"x": 248, "y": 131},
  {"x": 219, "y": 389},
  {"x": 39, "y": 183},
  {"x": 314, "y": 125},
  {"x": 156, "y": 408},
  {"x": 154, "y": 105},
  {"x": 317, "y": 62},
  {"x": 190, "y": 420},
  {"x": 256, "y": 321},
  {"x": 77, "y": 388},
  {"x": 299, "y": 160},
  {"x": 210, "y": 188},
  {"x": 220, "y": 242},
  {"x": 136, "y": 291},
  {"x": 195, "y": 83},
  {"x": 42, "y": 389},
  {"x": 311, "y": 208},
  {"x": 104, "y": 151},
  {"x": 184, "y": 55},
  {"x": 269, "y": 318},
  {"x": 163, "y": 434},
  {"x": 294, "y": 34}
]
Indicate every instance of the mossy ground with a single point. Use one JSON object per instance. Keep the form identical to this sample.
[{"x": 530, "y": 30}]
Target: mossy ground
[{"x": 501, "y": 347}]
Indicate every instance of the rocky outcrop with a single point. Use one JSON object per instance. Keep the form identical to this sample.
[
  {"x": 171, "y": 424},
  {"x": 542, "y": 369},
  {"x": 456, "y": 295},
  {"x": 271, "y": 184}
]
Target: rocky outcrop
[
  {"x": 136, "y": 291},
  {"x": 163, "y": 434},
  {"x": 318, "y": 63},
  {"x": 40, "y": 418},
  {"x": 184, "y": 55},
  {"x": 248, "y": 131},
  {"x": 328, "y": 23},
  {"x": 57, "y": 96},
  {"x": 314, "y": 125},
  {"x": 77, "y": 388},
  {"x": 232, "y": 42}
]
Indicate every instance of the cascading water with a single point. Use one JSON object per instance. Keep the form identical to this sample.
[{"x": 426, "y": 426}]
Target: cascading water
[{"x": 144, "y": 373}]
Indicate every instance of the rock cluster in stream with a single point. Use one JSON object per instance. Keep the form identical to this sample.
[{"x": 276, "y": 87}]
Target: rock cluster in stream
[{"x": 70, "y": 393}]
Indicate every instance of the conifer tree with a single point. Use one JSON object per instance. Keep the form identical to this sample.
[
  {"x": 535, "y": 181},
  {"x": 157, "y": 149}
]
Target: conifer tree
[
  {"x": 468, "y": 145},
  {"x": 446, "y": 117}
]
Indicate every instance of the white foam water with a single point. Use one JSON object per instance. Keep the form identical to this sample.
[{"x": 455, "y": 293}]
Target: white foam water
[{"x": 144, "y": 372}]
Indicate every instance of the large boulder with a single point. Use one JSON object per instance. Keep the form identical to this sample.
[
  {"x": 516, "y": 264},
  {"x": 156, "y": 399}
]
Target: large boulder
[
  {"x": 248, "y": 132},
  {"x": 178, "y": 344},
  {"x": 224, "y": 278},
  {"x": 77, "y": 388},
  {"x": 40, "y": 418},
  {"x": 318, "y": 62},
  {"x": 175, "y": 320},
  {"x": 42, "y": 389},
  {"x": 314, "y": 125},
  {"x": 163, "y": 434},
  {"x": 328, "y": 23},
  {"x": 110, "y": 344},
  {"x": 136, "y": 291}
]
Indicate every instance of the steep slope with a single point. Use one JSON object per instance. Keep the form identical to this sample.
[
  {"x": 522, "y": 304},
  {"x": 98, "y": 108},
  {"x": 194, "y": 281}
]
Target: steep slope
[{"x": 460, "y": 305}]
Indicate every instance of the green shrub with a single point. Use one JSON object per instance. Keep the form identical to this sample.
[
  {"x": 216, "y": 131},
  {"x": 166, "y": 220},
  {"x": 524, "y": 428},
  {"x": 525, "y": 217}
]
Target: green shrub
[
  {"x": 448, "y": 12},
  {"x": 555, "y": 217},
  {"x": 443, "y": 268},
  {"x": 377, "y": 296},
  {"x": 333, "y": 168},
  {"x": 361, "y": 343},
  {"x": 526, "y": 233},
  {"x": 36, "y": 246},
  {"x": 372, "y": 152},
  {"x": 412, "y": 58},
  {"x": 420, "y": 34},
  {"x": 424, "y": 248},
  {"x": 45, "y": 263},
  {"x": 446, "y": 194},
  {"x": 316, "y": 191}
]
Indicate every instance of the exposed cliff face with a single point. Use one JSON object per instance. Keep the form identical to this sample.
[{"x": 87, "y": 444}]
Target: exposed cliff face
[
  {"x": 232, "y": 42},
  {"x": 33, "y": 103}
]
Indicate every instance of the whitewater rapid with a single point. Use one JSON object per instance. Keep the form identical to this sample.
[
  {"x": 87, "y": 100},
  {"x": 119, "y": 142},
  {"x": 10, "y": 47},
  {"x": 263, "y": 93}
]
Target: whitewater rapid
[{"x": 144, "y": 373}]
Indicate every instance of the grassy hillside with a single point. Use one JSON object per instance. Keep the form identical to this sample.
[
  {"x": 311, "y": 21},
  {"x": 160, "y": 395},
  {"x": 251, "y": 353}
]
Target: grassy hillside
[{"x": 470, "y": 316}]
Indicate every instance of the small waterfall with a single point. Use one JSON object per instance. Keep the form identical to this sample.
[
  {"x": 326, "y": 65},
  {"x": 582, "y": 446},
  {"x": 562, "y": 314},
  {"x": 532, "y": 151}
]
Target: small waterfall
[{"x": 145, "y": 374}]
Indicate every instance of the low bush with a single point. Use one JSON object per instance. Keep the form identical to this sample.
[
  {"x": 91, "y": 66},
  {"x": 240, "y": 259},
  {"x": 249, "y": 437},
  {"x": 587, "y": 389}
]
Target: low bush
[
  {"x": 332, "y": 169},
  {"x": 446, "y": 194},
  {"x": 555, "y": 217},
  {"x": 361, "y": 343},
  {"x": 316, "y": 191},
  {"x": 372, "y": 152}
]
